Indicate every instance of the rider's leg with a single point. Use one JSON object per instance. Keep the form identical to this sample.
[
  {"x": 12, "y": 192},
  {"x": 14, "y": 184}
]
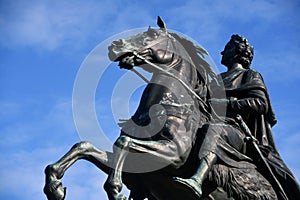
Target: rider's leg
[
  {"x": 195, "y": 182},
  {"x": 217, "y": 139},
  {"x": 204, "y": 168}
]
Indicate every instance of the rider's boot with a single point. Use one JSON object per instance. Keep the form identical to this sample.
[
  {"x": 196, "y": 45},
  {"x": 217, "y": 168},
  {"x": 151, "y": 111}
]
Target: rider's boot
[{"x": 195, "y": 182}]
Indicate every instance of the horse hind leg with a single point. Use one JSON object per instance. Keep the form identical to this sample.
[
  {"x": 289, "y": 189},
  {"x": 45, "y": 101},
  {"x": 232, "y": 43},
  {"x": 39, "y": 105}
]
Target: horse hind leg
[
  {"x": 82, "y": 150},
  {"x": 113, "y": 184}
]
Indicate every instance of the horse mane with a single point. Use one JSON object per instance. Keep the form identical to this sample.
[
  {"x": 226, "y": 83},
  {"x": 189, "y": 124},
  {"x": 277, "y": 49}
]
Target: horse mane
[{"x": 197, "y": 55}]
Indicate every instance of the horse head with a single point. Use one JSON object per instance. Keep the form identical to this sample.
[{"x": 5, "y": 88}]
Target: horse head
[{"x": 147, "y": 44}]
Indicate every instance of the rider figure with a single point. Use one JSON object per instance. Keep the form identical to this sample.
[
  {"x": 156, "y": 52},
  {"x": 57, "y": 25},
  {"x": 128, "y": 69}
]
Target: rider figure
[{"x": 247, "y": 96}]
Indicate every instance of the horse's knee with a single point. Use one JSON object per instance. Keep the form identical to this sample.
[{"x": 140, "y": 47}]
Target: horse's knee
[
  {"x": 123, "y": 141},
  {"x": 110, "y": 185}
]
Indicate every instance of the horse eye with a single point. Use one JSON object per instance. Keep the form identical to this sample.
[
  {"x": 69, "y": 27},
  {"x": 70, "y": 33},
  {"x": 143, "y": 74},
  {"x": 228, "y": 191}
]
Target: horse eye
[{"x": 152, "y": 33}]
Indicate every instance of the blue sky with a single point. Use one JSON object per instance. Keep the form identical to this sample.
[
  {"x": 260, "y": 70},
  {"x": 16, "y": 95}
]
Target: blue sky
[{"x": 43, "y": 44}]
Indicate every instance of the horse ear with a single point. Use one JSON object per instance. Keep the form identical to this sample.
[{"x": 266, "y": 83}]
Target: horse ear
[{"x": 161, "y": 23}]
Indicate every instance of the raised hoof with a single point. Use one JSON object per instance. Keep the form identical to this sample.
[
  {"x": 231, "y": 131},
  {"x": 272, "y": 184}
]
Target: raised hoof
[
  {"x": 189, "y": 186},
  {"x": 54, "y": 190}
]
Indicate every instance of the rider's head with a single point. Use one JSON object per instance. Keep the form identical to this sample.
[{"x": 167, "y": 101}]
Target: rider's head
[{"x": 237, "y": 50}]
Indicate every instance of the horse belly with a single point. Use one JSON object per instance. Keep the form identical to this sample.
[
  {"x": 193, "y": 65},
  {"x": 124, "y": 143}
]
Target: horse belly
[{"x": 170, "y": 146}]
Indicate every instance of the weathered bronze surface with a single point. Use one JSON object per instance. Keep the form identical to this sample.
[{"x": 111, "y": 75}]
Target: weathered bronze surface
[{"x": 202, "y": 136}]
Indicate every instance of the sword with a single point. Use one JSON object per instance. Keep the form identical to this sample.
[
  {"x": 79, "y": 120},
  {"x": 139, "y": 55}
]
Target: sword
[{"x": 264, "y": 162}]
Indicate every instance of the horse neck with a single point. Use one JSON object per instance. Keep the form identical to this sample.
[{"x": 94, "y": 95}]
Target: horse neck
[
  {"x": 186, "y": 71},
  {"x": 181, "y": 66}
]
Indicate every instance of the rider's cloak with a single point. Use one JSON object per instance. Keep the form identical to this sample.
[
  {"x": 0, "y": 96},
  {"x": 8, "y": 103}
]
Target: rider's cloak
[{"x": 249, "y": 97}]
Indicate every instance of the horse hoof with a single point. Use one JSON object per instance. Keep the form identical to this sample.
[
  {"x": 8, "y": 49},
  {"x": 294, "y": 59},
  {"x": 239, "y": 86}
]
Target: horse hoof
[
  {"x": 55, "y": 191},
  {"x": 121, "y": 197}
]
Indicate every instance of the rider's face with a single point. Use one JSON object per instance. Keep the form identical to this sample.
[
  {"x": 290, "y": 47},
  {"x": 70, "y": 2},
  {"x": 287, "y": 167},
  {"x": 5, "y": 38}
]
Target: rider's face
[{"x": 228, "y": 54}]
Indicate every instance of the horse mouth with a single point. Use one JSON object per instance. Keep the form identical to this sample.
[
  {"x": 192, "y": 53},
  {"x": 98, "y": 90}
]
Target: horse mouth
[
  {"x": 116, "y": 53},
  {"x": 118, "y": 56},
  {"x": 125, "y": 59}
]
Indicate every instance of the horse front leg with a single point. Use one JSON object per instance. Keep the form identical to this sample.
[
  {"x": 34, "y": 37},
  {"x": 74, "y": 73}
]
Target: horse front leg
[
  {"x": 113, "y": 184},
  {"x": 82, "y": 150}
]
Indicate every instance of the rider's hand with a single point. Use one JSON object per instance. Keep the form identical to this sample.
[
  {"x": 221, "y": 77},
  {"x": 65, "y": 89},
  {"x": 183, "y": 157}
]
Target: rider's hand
[{"x": 127, "y": 62}]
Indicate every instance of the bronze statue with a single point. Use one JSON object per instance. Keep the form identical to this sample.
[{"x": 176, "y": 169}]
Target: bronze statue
[{"x": 178, "y": 145}]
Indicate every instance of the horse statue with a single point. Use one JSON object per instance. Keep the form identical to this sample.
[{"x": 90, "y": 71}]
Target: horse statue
[{"x": 158, "y": 142}]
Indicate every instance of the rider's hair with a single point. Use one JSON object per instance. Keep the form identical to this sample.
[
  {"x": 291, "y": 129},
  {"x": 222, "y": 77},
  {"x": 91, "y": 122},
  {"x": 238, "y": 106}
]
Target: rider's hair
[{"x": 244, "y": 50}]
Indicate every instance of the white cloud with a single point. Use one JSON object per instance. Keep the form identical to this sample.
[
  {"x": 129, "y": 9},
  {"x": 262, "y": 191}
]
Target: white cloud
[
  {"x": 51, "y": 25},
  {"x": 18, "y": 129},
  {"x": 54, "y": 24},
  {"x": 281, "y": 66}
]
